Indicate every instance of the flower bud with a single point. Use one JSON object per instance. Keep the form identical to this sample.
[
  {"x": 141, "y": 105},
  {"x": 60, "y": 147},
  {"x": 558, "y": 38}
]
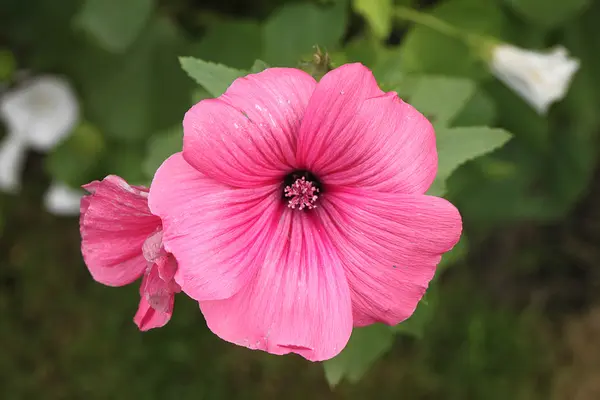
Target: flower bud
[{"x": 539, "y": 78}]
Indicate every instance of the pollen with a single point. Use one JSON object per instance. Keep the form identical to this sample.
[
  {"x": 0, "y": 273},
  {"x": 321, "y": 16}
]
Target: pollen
[{"x": 302, "y": 194}]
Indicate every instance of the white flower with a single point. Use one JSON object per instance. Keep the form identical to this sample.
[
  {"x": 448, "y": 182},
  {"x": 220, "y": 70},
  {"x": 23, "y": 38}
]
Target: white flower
[
  {"x": 539, "y": 78},
  {"x": 38, "y": 114},
  {"x": 61, "y": 199},
  {"x": 43, "y": 111}
]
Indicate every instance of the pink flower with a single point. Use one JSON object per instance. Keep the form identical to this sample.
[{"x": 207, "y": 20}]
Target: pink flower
[
  {"x": 122, "y": 241},
  {"x": 297, "y": 210}
]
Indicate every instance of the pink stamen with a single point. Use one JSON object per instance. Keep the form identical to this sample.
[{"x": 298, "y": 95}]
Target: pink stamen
[{"x": 302, "y": 193}]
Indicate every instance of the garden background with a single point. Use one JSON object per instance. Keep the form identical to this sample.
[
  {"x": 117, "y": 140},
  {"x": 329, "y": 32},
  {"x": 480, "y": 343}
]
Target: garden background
[{"x": 513, "y": 312}]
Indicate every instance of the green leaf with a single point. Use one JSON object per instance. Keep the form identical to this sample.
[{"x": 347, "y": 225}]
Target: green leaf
[
  {"x": 458, "y": 145},
  {"x": 161, "y": 147},
  {"x": 292, "y": 31},
  {"x": 427, "y": 51},
  {"x": 235, "y": 43},
  {"x": 389, "y": 73},
  {"x": 365, "y": 50},
  {"x": 366, "y": 345},
  {"x": 548, "y": 13},
  {"x": 515, "y": 115},
  {"x": 200, "y": 94},
  {"x": 258, "y": 66},
  {"x": 215, "y": 78},
  {"x": 115, "y": 24},
  {"x": 130, "y": 97},
  {"x": 378, "y": 13},
  {"x": 480, "y": 110},
  {"x": 502, "y": 187},
  {"x": 74, "y": 160},
  {"x": 440, "y": 98}
]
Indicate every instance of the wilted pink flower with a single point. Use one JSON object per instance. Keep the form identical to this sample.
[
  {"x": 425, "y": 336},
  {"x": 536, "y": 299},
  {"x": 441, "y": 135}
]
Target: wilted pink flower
[
  {"x": 122, "y": 241},
  {"x": 297, "y": 210}
]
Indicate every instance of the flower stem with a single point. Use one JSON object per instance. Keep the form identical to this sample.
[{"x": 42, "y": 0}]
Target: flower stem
[
  {"x": 477, "y": 43},
  {"x": 429, "y": 21}
]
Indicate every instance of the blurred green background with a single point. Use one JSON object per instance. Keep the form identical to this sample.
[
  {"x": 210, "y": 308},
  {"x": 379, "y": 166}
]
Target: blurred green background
[{"x": 513, "y": 313}]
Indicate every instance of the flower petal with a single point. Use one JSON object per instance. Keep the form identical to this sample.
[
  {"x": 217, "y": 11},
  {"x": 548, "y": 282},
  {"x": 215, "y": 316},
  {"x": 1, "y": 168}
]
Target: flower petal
[
  {"x": 157, "y": 291},
  {"x": 156, "y": 303},
  {"x": 152, "y": 249},
  {"x": 355, "y": 135},
  {"x": 247, "y": 137},
  {"x": 167, "y": 267},
  {"x": 215, "y": 232},
  {"x": 147, "y": 318},
  {"x": 333, "y": 105},
  {"x": 299, "y": 301},
  {"x": 390, "y": 246},
  {"x": 390, "y": 147},
  {"x": 114, "y": 225}
]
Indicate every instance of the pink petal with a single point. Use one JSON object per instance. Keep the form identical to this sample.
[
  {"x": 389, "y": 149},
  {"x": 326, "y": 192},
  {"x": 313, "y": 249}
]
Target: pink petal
[
  {"x": 247, "y": 137},
  {"x": 156, "y": 303},
  {"x": 333, "y": 105},
  {"x": 298, "y": 302},
  {"x": 390, "y": 246},
  {"x": 115, "y": 223},
  {"x": 167, "y": 267},
  {"x": 216, "y": 233},
  {"x": 85, "y": 200},
  {"x": 390, "y": 147},
  {"x": 156, "y": 291},
  {"x": 84, "y": 204},
  {"x": 365, "y": 138},
  {"x": 147, "y": 318},
  {"x": 152, "y": 247}
]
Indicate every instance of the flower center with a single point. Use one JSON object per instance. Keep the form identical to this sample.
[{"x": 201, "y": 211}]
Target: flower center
[{"x": 301, "y": 190}]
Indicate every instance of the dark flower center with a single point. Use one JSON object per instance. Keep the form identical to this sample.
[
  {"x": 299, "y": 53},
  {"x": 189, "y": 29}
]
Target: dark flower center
[{"x": 301, "y": 189}]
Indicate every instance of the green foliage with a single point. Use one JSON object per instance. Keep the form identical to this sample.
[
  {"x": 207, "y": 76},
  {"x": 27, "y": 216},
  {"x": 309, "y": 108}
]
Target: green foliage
[
  {"x": 74, "y": 161},
  {"x": 378, "y": 13},
  {"x": 114, "y": 24},
  {"x": 215, "y": 78},
  {"x": 293, "y": 30},
  {"x": 548, "y": 13},
  {"x": 127, "y": 161},
  {"x": 439, "y": 98},
  {"x": 221, "y": 43},
  {"x": 131, "y": 96},
  {"x": 7, "y": 65},
  {"x": 160, "y": 147},
  {"x": 258, "y": 66},
  {"x": 365, "y": 346},
  {"x": 365, "y": 50},
  {"x": 458, "y": 145},
  {"x": 479, "y": 110},
  {"x": 427, "y": 51}
]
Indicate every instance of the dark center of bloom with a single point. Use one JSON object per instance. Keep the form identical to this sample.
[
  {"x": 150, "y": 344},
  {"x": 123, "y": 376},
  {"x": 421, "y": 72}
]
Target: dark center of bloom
[{"x": 301, "y": 190}]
